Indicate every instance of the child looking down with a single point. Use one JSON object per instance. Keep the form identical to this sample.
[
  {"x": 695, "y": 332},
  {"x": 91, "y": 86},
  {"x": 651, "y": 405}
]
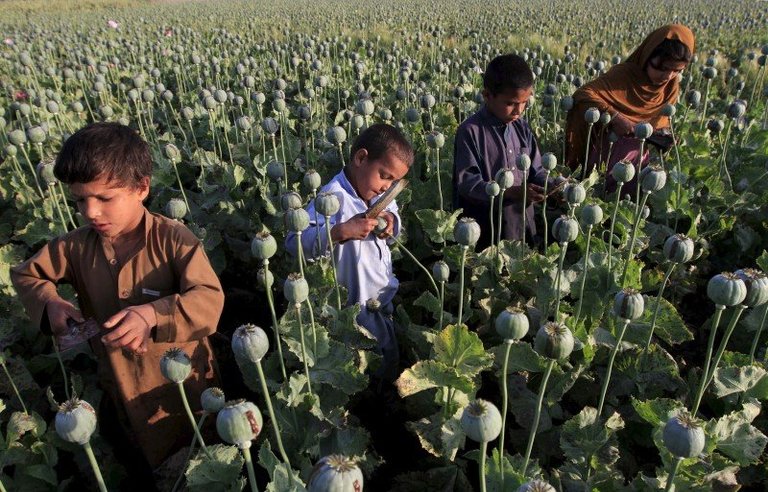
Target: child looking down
[
  {"x": 141, "y": 276},
  {"x": 380, "y": 156}
]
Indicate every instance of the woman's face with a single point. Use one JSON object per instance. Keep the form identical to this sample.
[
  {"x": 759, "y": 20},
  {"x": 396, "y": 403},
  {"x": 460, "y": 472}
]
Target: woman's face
[{"x": 662, "y": 71}]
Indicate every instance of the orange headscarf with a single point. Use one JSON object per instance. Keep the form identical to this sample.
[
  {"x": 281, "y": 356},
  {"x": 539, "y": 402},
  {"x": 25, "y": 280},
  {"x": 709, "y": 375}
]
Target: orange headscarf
[{"x": 627, "y": 89}]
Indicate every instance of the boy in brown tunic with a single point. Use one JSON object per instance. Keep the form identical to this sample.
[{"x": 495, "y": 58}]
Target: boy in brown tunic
[{"x": 143, "y": 277}]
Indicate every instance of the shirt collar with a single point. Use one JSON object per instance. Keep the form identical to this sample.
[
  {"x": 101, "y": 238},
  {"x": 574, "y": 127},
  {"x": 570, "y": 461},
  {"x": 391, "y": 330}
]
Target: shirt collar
[
  {"x": 491, "y": 119},
  {"x": 347, "y": 186}
]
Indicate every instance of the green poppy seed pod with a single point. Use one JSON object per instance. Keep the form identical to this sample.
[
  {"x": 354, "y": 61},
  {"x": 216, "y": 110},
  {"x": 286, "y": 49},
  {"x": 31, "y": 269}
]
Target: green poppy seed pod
[
  {"x": 36, "y": 135},
  {"x": 653, "y": 178},
  {"x": 275, "y": 170},
  {"x": 327, "y": 204},
  {"x": 623, "y": 171},
  {"x": 264, "y": 279},
  {"x": 628, "y": 304},
  {"x": 147, "y": 95},
  {"x": 492, "y": 188},
  {"x": 591, "y": 215},
  {"x": 17, "y": 137},
  {"x": 466, "y": 231},
  {"x": 295, "y": 288},
  {"x": 709, "y": 73},
  {"x": 715, "y": 126},
  {"x": 269, "y": 125},
  {"x": 335, "y": 473},
  {"x": 566, "y": 103},
  {"x": 365, "y": 107},
  {"x": 336, "y": 135},
  {"x": 176, "y": 208},
  {"x": 10, "y": 150},
  {"x": 212, "y": 400},
  {"x": 427, "y": 101},
  {"x": 505, "y": 178},
  {"x": 565, "y": 229},
  {"x": 75, "y": 421},
  {"x": 296, "y": 220},
  {"x": 172, "y": 153},
  {"x": 605, "y": 118},
  {"x": 554, "y": 341},
  {"x": 175, "y": 365},
  {"x": 187, "y": 113},
  {"x": 549, "y": 161},
  {"x": 263, "y": 246},
  {"x": 536, "y": 486},
  {"x": 481, "y": 421},
  {"x": 643, "y": 130},
  {"x": 239, "y": 423},
  {"x": 45, "y": 171},
  {"x": 279, "y": 105},
  {"x": 250, "y": 342},
  {"x": 357, "y": 122},
  {"x": 304, "y": 113},
  {"x": 592, "y": 115},
  {"x": 678, "y": 248},
  {"x": 523, "y": 162},
  {"x": 412, "y": 115},
  {"x": 668, "y": 110},
  {"x": 244, "y": 123},
  {"x": 512, "y": 324},
  {"x": 435, "y": 140},
  {"x": 574, "y": 194},
  {"x": 290, "y": 200},
  {"x": 735, "y": 110},
  {"x": 106, "y": 112},
  {"x": 259, "y": 98},
  {"x": 693, "y": 98},
  {"x": 757, "y": 286},
  {"x": 441, "y": 271},
  {"x": 684, "y": 437},
  {"x": 726, "y": 289},
  {"x": 312, "y": 180}
]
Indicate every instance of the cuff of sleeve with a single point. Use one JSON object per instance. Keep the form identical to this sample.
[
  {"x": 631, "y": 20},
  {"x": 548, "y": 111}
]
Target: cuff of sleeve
[{"x": 164, "y": 312}]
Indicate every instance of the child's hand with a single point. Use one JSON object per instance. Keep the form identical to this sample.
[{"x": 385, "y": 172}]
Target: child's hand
[
  {"x": 59, "y": 311},
  {"x": 621, "y": 126},
  {"x": 534, "y": 194},
  {"x": 131, "y": 328},
  {"x": 390, "y": 229},
  {"x": 358, "y": 227}
]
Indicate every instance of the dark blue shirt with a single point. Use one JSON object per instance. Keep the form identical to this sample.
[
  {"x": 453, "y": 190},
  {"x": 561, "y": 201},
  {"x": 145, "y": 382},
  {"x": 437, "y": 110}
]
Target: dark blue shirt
[{"x": 484, "y": 144}]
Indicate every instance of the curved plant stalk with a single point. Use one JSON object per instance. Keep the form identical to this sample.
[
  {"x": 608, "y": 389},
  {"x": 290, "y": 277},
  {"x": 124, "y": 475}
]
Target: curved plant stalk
[
  {"x": 442, "y": 303},
  {"x": 23, "y": 149},
  {"x": 461, "y": 282},
  {"x": 637, "y": 176},
  {"x": 584, "y": 276},
  {"x": 537, "y": 415},
  {"x": 658, "y": 303},
  {"x": 678, "y": 170},
  {"x": 249, "y": 465},
  {"x": 723, "y": 160},
  {"x": 95, "y": 467},
  {"x": 439, "y": 181},
  {"x": 501, "y": 211},
  {"x": 504, "y": 400},
  {"x": 61, "y": 366},
  {"x": 490, "y": 217},
  {"x": 300, "y": 253},
  {"x": 544, "y": 209},
  {"x": 192, "y": 420},
  {"x": 341, "y": 154},
  {"x": 66, "y": 206},
  {"x": 719, "y": 308},
  {"x": 525, "y": 210},
  {"x": 13, "y": 384},
  {"x": 756, "y": 339},
  {"x": 55, "y": 199},
  {"x": 303, "y": 348},
  {"x": 607, "y": 380},
  {"x": 333, "y": 262},
  {"x": 706, "y": 102},
  {"x": 563, "y": 249},
  {"x": 189, "y": 454},
  {"x": 619, "y": 184},
  {"x": 723, "y": 344},
  {"x": 181, "y": 186},
  {"x": 671, "y": 478},
  {"x": 638, "y": 216},
  {"x": 419, "y": 264},
  {"x": 275, "y": 324},
  {"x": 271, "y": 410}
]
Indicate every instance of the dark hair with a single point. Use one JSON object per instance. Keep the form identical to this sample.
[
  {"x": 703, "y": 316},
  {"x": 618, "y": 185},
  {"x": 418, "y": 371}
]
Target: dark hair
[
  {"x": 507, "y": 72},
  {"x": 380, "y": 139},
  {"x": 671, "y": 50},
  {"x": 104, "y": 149}
]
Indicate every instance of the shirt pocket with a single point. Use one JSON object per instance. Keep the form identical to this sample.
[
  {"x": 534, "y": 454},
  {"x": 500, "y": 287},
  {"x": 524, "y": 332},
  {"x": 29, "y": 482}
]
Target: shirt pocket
[{"x": 146, "y": 292}]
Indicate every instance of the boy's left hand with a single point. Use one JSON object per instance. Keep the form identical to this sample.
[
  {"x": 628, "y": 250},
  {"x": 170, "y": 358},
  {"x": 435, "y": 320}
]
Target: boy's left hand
[
  {"x": 131, "y": 328},
  {"x": 390, "y": 230}
]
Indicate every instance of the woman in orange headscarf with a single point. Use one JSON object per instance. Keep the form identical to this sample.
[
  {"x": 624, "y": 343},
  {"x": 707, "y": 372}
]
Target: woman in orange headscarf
[{"x": 631, "y": 92}]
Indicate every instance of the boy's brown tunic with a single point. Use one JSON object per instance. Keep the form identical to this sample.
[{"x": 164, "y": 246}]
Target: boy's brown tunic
[{"x": 168, "y": 269}]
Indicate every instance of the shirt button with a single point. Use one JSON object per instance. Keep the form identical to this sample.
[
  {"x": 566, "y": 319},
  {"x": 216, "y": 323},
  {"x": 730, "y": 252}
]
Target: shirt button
[
  {"x": 124, "y": 294},
  {"x": 113, "y": 261}
]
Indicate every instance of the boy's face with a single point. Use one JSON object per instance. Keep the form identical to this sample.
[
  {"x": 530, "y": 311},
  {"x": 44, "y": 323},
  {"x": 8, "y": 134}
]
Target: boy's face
[
  {"x": 373, "y": 177},
  {"x": 507, "y": 105},
  {"x": 111, "y": 209}
]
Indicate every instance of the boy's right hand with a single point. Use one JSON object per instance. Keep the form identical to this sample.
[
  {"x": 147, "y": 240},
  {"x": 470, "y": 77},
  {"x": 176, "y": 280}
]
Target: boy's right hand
[
  {"x": 356, "y": 228},
  {"x": 59, "y": 311}
]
